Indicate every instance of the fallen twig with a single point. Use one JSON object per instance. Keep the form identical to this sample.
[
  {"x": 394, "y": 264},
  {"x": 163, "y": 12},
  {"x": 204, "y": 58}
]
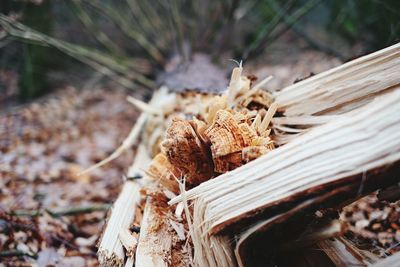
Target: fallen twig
[
  {"x": 27, "y": 213},
  {"x": 77, "y": 211},
  {"x": 16, "y": 253}
]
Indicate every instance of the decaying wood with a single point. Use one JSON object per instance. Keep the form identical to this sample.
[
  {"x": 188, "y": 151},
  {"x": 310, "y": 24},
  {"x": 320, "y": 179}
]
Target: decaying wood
[
  {"x": 161, "y": 239},
  {"x": 163, "y": 171},
  {"x": 154, "y": 241},
  {"x": 111, "y": 252},
  {"x": 224, "y": 133},
  {"x": 128, "y": 241},
  {"x": 337, "y": 161},
  {"x": 186, "y": 152},
  {"x": 335, "y": 151}
]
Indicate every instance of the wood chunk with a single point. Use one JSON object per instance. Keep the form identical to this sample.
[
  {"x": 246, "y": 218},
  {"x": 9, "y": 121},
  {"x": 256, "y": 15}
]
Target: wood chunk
[
  {"x": 228, "y": 162},
  {"x": 252, "y": 152},
  {"x": 227, "y": 141},
  {"x": 319, "y": 163},
  {"x": 200, "y": 127},
  {"x": 128, "y": 241},
  {"x": 225, "y": 135},
  {"x": 187, "y": 153},
  {"x": 229, "y": 138},
  {"x": 159, "y": 243},
  {"x": 162, "y": 170},
  {"x": 247, "y": 133},
  {"x": 155, "y": 242}
]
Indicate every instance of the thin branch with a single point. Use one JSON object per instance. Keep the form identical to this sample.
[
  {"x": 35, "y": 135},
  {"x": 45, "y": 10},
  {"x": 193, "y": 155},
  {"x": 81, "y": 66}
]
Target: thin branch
[
  {"x": 16, "y": 253},
  {"x": 77, "y": 211},
  {"x": 27, "y": 213}
]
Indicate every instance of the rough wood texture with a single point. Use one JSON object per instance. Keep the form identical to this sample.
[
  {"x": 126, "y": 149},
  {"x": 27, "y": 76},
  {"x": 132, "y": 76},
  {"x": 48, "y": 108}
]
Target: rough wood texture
[
  {"x": 354, "y": 144},
  {"x": 350, "y": 154},
  {"x": 110, "y": 250},
  {"x": 345, "y": 87},
  {"x": 187, "y": 153},
  {"x": 154, "y": 241},
  {"x": 327, "y": 166},
  {"x": 161, "y": 239}
]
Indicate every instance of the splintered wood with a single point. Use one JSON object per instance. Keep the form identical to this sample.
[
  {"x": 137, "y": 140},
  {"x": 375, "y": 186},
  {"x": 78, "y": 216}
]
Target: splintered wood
[
  {"x": 225, "y": 132},
  {"x": 252, "y": 161}
]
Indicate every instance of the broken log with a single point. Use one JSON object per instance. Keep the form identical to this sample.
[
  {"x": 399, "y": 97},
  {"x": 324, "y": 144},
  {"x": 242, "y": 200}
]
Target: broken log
[
  {"x": 329, "y": 165},
  {"x": 330, "y": 155},
  {"x": 340, "y": 144}
]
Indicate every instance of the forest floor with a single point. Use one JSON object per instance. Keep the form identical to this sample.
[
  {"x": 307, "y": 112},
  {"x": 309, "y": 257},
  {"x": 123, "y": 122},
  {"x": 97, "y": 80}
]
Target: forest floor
[{"x": 50, "y": 215}]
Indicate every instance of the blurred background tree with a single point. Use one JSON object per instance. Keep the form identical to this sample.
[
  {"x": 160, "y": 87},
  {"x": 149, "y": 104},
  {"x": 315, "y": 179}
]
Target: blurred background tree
[
  {"x": 132, "y": 41},
  {"x": 33, "y": 78}
]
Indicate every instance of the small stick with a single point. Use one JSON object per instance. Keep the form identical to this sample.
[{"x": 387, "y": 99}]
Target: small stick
[
  {"x": 144, "y": 107},
  {"x": 77, "y": 211},
  {"x": 27, "y": 213},
  {"x": 16, "y": 253},
  {"x": 267, "y": 118},
  {"x": 254, "y": 89},
  {"x": 128, "y": 142}
]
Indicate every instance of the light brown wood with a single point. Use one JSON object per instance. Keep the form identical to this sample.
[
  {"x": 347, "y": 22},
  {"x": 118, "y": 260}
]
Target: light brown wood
[
  {"x": 111, "y": 252},
  {"x": 154, "y": 241},
  {"x": 343, "y": 88},
  {"x": 162, "y": 237},
  {"x": 343, "y": 153},
  {"x": 336, "y": 149}
]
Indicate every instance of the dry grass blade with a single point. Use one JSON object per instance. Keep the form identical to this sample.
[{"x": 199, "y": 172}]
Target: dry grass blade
[
  {"x": 87, "y": 21},
  {"x": 139, "y": 37},
  {"x": 101, "y": 62}
]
